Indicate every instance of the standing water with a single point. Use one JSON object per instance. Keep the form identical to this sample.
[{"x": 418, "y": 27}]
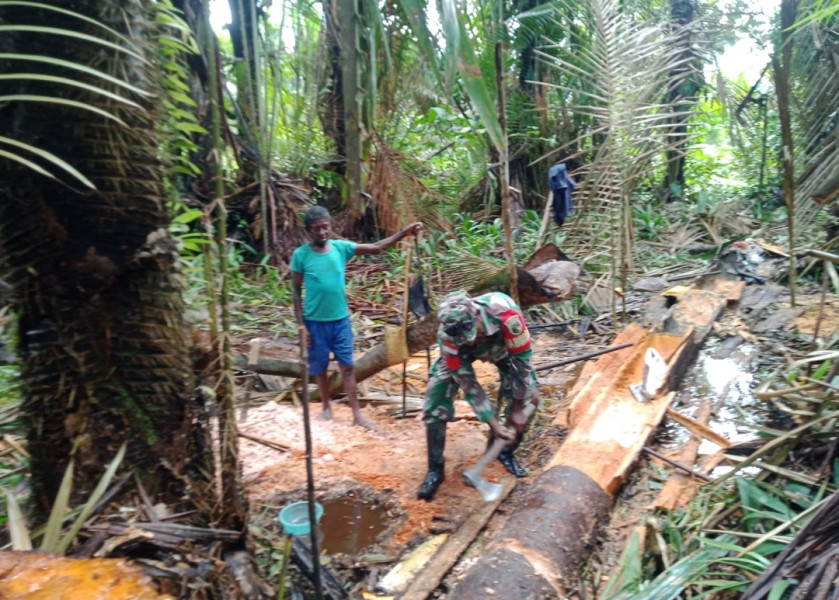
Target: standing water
[{"x": 350, "y": 524}]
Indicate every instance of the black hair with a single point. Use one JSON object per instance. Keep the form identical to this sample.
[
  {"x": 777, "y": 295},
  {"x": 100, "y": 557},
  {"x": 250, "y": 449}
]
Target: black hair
[{"x": 315, "y": 213}]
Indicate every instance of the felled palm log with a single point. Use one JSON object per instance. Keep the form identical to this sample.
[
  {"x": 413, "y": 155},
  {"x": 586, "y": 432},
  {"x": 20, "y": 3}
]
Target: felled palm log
[
  {"x": 43, "y": 575},
  {"x": 557, "y": 281}
]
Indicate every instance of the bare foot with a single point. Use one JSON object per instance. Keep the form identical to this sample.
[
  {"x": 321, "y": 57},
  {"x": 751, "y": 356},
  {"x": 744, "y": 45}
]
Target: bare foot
[
  {"x": 326, "y": 415},
  {"x": 362, "y": 422}
]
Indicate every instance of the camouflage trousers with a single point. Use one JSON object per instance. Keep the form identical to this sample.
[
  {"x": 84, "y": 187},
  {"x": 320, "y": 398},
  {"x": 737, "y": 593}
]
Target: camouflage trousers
[{"x": 438, "y": 402}]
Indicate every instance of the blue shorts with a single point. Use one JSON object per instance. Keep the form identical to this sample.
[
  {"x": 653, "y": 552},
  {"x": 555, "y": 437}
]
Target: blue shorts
[{"x": 326, "y": 337}]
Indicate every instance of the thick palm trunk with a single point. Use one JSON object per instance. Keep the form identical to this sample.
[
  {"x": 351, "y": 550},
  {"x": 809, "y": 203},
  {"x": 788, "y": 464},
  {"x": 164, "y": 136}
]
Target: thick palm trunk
[{"x": 103, "y": 351}]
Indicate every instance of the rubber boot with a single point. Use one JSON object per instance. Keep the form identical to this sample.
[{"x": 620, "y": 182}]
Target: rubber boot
[
  {"x": 435, "y": 435},
  {"x": 508, "y": 459}
]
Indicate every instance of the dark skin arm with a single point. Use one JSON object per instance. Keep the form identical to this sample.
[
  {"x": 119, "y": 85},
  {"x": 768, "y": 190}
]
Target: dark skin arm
[{"x": 386, "y": 243}]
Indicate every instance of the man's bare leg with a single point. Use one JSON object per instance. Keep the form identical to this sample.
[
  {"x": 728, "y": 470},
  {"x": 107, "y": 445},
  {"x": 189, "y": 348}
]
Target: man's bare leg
[
  {"x": 323, "y": 388},
  {"x": 351, "y": 390}
]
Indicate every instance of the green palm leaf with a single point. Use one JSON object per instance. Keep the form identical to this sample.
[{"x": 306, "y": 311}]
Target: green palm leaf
[
  {"x": 45, "y": 155},
  {"x": 56, "y": 100},
  {"x": 57, "y": 62},
  {"x": 462, "y": 60},
  {"x": 70, "y": 13},
  {"x": 69, "y": 33},
  {"x": 70, "y": 82}
]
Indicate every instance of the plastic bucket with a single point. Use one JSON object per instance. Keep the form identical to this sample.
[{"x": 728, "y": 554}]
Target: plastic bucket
[{"x": 295, "y": 518}]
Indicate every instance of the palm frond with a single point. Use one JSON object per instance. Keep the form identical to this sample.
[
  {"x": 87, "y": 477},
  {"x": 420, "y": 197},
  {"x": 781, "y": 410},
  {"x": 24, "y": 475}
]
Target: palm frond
[
  {"x": 467, "y": 270},
  {"x": 815, "y": 85},
  {"x": 462, "y": 60},
  {"x": 619, "y": 75},
  {"x": 63, "y": 90}
]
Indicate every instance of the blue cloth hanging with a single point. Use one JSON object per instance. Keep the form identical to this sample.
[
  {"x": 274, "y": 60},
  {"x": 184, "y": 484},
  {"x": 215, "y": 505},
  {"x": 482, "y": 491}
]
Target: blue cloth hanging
[{"x": 561, "y": 185}]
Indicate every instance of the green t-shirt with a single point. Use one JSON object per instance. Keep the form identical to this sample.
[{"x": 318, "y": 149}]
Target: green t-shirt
[{"x": 323, "y": 278}]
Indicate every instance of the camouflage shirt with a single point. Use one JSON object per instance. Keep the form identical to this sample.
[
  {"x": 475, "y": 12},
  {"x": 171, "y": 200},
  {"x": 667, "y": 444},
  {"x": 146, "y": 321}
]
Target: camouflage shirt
[{"x": 503, "y": 340}]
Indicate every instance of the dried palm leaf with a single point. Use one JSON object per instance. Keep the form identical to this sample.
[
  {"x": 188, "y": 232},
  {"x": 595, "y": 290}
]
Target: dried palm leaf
[
  {"x": 467, "y": 270},
  {"x": 619, "y": 73}
]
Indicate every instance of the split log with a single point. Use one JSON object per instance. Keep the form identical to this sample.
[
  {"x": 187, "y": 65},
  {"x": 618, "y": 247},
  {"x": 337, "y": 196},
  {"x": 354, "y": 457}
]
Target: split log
[{"x": 30, "y": 574}]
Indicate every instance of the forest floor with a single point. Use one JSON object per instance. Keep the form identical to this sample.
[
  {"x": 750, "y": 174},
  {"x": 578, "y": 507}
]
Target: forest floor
[
  {"x": 385, "y": 468},
  {"x": 381, "y": 470}
]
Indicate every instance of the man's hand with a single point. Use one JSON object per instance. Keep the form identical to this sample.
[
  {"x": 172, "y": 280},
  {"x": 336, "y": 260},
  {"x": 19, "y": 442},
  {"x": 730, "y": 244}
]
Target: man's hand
[
  {"x": 499, "y": 431},
  {"x": 304, "y": 335},
  {"x": 414, "y": 228},
  {"x": 518, "y": 420}
]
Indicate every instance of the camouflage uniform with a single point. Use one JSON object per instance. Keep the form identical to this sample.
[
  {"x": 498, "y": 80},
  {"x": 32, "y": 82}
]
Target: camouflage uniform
[{"x": 504, "y": 341}]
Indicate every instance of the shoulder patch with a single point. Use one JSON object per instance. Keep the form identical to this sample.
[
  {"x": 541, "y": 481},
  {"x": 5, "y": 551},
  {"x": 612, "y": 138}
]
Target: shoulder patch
[
  {"x": 514, "y": 325},
  {"x": 516, "y": 335}
]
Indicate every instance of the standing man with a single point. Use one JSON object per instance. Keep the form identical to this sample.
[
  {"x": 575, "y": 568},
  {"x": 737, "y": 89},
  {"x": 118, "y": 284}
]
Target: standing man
[
  {"x": 319, "y": 267},
  {"x": 490, "y": 327}
]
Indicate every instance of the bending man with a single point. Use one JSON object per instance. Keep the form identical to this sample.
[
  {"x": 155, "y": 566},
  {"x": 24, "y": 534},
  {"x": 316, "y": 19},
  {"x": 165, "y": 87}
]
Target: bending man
[
  {"x": 319, "y": 267},
  {"x": 490, "y": 328}
]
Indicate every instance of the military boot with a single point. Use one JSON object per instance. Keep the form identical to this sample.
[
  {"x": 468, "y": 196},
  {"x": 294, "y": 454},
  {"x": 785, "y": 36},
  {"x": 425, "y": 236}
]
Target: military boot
[
  {"x": 508, "y": 459},
  {"x": 435, "y": 435}
]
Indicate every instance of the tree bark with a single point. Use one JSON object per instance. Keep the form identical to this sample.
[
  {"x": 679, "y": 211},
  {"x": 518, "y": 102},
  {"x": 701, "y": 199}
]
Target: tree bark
[
  {"x": 348, "y": 9},
  {"x": 243, "y": 37},
  {"x": 781, "y": 69},
  {"x": 540, "y": 552},
  {"x": 682, "y": 87},
  {"x": 102, "y": 344}
]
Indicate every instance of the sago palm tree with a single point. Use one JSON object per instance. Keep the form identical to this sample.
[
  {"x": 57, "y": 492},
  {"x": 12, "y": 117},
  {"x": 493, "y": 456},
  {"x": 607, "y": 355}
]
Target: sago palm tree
[{"x": 84, "y": 242}]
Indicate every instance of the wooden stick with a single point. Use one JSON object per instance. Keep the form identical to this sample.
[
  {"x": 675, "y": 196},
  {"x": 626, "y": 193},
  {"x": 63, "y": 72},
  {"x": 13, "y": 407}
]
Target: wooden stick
[
  {"x": 790, "y": 390},
  {"x": 678, "y": 485},
  {"x": 585, "y": 356},
  {"x": 545, "y": 217},
  {"x": 265, "y": 442},
  {"x": 429, "y": 578},
  {"x": 697, "y": 428},
  {"x": 670, "y": 461}
]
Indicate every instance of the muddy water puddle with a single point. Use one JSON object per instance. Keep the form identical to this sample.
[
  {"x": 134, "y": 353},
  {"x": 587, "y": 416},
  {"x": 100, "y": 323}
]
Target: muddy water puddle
[{"x": 350, "y": 524}]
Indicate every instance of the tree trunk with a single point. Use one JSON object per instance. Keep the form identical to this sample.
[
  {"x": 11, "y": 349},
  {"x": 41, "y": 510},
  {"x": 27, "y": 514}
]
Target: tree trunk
[
  {"x": 348, "y": 9},
  {"x": 781, "y": 69},
  {"x": 682, "y": 87},
  {"x": 244, "y": 40},
  {"x": 103, "y": 349},
  {"x": 332, "y": 103}
]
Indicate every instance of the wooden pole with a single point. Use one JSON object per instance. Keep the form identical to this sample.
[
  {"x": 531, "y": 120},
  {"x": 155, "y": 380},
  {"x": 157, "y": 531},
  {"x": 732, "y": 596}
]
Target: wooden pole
[
  {"x": 310, "y": 473},
  {"x": 504, "y": 180},
  {"x": 781, "y": 71},
  {"x": 545, "y": 217}
]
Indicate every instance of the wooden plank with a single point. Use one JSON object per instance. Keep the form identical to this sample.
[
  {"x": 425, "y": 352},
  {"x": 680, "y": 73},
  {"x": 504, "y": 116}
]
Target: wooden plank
[
  {"x": 696, "y": 427},
  {"x": 429, "y": 578},
  {"x": 676, "y": 484}
]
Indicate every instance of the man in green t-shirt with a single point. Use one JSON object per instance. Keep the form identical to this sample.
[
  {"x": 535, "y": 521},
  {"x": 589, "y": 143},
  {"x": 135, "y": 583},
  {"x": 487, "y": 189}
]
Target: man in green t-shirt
[{"x": 319, "y": 267}]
